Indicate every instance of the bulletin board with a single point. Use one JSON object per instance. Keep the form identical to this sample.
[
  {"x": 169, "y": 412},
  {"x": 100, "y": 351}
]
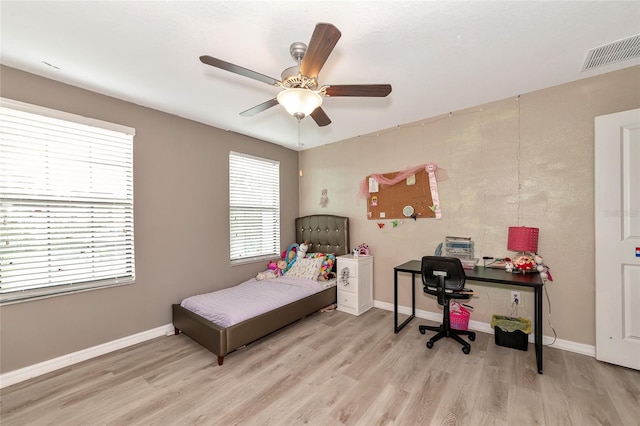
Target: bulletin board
[{"x": 393, "y": 201}]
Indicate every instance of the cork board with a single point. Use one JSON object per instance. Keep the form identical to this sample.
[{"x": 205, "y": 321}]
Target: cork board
[{"x": 390, "y": 200}]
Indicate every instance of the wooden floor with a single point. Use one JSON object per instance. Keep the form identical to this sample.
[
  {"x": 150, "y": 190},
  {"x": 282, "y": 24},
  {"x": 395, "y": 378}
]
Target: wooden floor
[{"x": 330, "y": 369}]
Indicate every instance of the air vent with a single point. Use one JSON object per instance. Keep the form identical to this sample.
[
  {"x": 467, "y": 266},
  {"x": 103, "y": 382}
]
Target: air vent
[{"x": 627, "y": 48}]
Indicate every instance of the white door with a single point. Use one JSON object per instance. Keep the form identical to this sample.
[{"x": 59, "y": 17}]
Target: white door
[{"x": 617, "y": 218}]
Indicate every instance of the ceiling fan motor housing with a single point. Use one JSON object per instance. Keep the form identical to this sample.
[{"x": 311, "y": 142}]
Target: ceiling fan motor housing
[{"x": 291, "y": 78}]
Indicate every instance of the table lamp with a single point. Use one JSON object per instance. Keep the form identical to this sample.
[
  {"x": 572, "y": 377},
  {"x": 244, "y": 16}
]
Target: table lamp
[{"x": 523, "y": 239}]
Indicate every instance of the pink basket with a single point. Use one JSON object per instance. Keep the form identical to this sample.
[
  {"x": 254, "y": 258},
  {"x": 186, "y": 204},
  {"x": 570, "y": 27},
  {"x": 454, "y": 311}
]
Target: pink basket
[{"x": 459, "y": 317}]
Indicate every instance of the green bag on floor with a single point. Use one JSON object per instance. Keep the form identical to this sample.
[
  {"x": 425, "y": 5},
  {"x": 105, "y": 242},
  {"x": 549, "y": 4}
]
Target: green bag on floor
[{"x": 510, "y": 324}]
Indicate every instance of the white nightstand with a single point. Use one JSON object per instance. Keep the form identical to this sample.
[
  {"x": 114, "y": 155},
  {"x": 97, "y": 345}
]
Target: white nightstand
[{"x": 355, "y": 283}]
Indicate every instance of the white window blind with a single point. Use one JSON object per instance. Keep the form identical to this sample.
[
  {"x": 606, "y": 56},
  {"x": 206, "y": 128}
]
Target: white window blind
[
  {"x": 66, "y": 203},
  {"x": 254, "y": 207}
]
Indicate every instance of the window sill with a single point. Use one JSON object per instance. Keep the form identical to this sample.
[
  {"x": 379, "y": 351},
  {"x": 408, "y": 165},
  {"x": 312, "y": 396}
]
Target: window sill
[{"x": 46, "y": 293}]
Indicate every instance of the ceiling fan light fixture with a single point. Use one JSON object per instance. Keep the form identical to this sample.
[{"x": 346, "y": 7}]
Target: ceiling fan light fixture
[
  {"x": 299, "y": 102},
  {"x": 300, "y": 94}
]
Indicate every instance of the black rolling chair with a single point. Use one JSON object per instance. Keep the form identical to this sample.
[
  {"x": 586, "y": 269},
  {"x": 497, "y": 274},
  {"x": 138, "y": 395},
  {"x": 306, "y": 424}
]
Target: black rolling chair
[{"x": 444, "y": 278}]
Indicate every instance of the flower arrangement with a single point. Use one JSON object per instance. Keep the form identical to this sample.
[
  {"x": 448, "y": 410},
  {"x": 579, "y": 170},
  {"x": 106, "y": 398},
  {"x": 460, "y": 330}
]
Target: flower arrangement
[
  {"x": 524, "y": 263},
  {"x": 528, "y": 263}
]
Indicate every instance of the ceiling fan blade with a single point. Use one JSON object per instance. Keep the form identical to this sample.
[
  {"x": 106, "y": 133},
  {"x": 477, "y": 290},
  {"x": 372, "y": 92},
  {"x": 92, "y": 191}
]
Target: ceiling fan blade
[
  {"x": 259, "y": 108},
  {"x": 368, "y": 90},
  {"x": 320, "y": 117},
  {"x": 236, "y": 69},
  {"x": 322, "y": 42}
]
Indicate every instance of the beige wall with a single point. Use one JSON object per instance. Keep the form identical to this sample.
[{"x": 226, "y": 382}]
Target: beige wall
[
  {"x": 526, "y": 162},
  {"x": 181, "y": 226},
  {"x": 511, "y": 162}
]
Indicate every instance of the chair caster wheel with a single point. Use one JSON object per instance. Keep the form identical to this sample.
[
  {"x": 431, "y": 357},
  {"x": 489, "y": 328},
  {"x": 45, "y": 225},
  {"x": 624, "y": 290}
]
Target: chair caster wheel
[
  {"x": 422, "y": 330},
  {"x": 466, "y": 350},
  {"x": 430, "y": 344},
  {"x": 472, "y": 337}
]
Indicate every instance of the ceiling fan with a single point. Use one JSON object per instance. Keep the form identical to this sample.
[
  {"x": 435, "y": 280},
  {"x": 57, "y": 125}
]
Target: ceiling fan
[{"x": 301, "y": 96}]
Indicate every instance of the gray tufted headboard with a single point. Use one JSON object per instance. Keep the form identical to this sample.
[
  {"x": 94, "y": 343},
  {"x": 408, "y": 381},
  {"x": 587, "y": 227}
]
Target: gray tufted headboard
[{"x": 325, "y": 233}]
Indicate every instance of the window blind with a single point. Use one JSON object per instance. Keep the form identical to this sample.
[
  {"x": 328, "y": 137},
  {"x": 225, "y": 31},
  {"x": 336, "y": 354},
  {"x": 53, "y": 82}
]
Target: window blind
[
  {"x": 254, "y": 207},
  {"x": 66, "y": 203}
]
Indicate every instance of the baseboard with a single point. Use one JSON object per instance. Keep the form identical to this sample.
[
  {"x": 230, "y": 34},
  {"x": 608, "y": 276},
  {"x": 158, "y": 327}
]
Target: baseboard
[
  {"x": 26, "y": 373},
  {"x": 484, "y": 327}
]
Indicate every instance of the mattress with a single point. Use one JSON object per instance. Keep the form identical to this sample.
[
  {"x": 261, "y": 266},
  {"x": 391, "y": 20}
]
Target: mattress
[{"x": 233, "y": 305}]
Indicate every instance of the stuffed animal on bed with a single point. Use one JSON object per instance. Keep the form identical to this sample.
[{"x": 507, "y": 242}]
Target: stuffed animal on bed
[
  {"x": 302, "y": 250},
  {"x": 266, "y": 275},
  {"x": 275, "y": 270}
]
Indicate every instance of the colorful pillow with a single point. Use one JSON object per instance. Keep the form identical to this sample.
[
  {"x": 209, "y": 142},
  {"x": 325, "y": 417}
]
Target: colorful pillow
[
  {"x": 289, "y": 256},
  {"x": 328, "y": 260},
  {"x": 305, "y": 268}
]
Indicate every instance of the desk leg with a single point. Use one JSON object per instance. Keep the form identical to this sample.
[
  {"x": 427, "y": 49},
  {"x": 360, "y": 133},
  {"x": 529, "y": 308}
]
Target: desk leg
[
  {"x": 396, "y": 327},
  {"x": 413, "y": 295},
  {"x": 538, "y": 325},
  {"x": 395, "y": 301}
]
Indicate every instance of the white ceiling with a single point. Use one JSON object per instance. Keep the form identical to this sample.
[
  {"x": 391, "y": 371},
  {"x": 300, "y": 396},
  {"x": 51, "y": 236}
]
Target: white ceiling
[{"x": 438, "y": 56}]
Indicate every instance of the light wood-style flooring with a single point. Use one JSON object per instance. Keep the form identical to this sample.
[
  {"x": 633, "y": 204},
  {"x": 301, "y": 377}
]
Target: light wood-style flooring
[{"x": 330, "y": 369}]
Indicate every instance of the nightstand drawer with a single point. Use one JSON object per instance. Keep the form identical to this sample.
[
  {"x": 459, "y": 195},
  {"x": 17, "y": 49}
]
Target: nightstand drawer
[
  {"x": 347, "y": 269},
  {"x": 350, "y": 284},
  {"x": 347, "y": 300}
]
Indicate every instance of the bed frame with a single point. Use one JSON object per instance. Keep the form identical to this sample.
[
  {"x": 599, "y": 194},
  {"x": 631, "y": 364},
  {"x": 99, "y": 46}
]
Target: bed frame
[{"x": 325, "y": 234}]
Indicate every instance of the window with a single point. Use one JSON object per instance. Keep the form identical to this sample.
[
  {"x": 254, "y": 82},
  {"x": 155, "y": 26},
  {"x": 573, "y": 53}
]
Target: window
[
  {"x": 66, "y": 203},
  {"x": 254, "y": 207}
]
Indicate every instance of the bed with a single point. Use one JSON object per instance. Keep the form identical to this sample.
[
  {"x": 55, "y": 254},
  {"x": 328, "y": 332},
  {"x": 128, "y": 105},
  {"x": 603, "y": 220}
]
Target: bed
[{"x": 325, "y": 234}]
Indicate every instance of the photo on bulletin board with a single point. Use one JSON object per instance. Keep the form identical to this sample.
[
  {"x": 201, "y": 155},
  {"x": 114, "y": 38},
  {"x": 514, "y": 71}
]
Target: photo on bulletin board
[{"x": 410, "y": 198}]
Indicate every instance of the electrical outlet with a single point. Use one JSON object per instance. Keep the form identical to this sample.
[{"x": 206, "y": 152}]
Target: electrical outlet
[{"x": 515, "y": 297}]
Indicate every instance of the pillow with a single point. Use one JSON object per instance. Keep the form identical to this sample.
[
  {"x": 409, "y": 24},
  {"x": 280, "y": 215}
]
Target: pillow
[
  {"x": 328, "y": 260},
  {"x": 305, "y": 268},
  {"x": 289, "y": 256}
]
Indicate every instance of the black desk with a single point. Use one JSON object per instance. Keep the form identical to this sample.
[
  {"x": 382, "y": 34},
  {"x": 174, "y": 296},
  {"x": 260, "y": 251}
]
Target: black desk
[{"x": 481, "y": 274}]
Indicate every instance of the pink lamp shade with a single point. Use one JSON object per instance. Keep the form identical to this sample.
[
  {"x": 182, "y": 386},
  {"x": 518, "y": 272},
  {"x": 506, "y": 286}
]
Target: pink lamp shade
[{"x": 523, "y": 238}]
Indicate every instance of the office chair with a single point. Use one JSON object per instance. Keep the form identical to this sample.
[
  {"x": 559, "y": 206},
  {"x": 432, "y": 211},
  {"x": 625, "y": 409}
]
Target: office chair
[{"x": 444, "y": 278}]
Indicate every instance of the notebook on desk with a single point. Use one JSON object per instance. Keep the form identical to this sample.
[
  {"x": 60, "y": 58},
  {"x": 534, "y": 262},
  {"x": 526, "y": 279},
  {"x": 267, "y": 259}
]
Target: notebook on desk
[{"x": 494, "y": 263}]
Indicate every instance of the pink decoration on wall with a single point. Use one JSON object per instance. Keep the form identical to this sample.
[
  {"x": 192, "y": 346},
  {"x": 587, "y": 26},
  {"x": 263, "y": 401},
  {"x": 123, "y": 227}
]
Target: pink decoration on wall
[
  {"x": 431, "y": 169},
  {"x": 434, "y": 177}
]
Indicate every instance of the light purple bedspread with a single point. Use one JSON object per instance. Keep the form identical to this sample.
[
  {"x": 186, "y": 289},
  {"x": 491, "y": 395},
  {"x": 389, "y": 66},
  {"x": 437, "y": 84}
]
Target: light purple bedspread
[{"x": 251, "y": 298}]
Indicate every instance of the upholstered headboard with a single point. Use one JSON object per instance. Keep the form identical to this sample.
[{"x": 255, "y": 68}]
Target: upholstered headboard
[{"x": 325, "y": 233}]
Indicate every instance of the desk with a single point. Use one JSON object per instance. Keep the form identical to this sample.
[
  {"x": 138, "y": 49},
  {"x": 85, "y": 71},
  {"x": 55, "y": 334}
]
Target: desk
[{"x": 480, "y": 274}]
